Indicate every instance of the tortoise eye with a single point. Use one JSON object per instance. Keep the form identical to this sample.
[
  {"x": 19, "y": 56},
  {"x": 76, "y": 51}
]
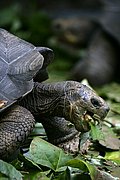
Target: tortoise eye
[{"x": 95, "y": 103}]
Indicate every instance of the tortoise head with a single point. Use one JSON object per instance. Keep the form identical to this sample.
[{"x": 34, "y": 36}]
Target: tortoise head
[{"x": 83, "y": 102}]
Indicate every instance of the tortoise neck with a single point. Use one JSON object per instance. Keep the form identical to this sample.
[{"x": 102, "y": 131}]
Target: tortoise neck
[
  {"x": 50, "y": 99},
  {"x": 45, "y": 99}
]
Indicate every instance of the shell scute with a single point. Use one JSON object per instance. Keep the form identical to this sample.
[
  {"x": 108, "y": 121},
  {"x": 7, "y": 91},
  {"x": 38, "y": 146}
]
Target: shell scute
[{"x": 19, "y": 63}]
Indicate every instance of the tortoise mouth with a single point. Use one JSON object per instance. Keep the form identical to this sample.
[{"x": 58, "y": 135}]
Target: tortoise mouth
[{"x": 92, "y": 117}]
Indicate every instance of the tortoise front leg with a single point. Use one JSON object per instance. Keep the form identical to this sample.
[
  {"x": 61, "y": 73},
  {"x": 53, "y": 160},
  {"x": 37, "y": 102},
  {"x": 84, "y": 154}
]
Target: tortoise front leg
[
  {"x": 15, "y": 125},
  {"x": 58, "y": 130},
  {"x": 61, "y": 133}
]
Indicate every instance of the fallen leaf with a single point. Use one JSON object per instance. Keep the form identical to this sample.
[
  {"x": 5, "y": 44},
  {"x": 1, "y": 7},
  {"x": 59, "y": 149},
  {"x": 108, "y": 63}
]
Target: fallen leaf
[
  {"x": 110, "y": 140},
  {"x": 46, "y": 154}
]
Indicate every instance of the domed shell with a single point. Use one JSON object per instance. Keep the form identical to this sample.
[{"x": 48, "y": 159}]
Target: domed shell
[{"x": 19, "y": 63}]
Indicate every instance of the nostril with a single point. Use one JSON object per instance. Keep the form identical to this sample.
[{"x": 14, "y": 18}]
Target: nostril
[{"x": 95, "y": 103}]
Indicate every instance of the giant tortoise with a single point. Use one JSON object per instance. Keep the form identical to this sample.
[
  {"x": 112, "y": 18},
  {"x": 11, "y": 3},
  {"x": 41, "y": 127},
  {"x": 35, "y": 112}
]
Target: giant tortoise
[{"x": 23, "y": 100}]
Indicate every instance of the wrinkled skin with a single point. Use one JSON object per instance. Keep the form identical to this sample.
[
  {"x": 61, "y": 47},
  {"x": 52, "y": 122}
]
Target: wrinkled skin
[
  {"x": 68, "y": 99},
  {"x": 15, "y": 126}
]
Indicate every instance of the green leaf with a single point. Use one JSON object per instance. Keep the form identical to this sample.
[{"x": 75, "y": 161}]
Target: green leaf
[
  {"x": 39, "y": 130},
  {"x": 77, "y": 163},
  {"x": 83, "y": 166},
  {"x": 66, "y": 175},
  {"x": 95, "y": 132},
  {"x": 46, "y": 154},
  {"x": 36, "y": 176},
  {"x": 113, "y": 156},
  {"x": 9, "y": 170}
]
